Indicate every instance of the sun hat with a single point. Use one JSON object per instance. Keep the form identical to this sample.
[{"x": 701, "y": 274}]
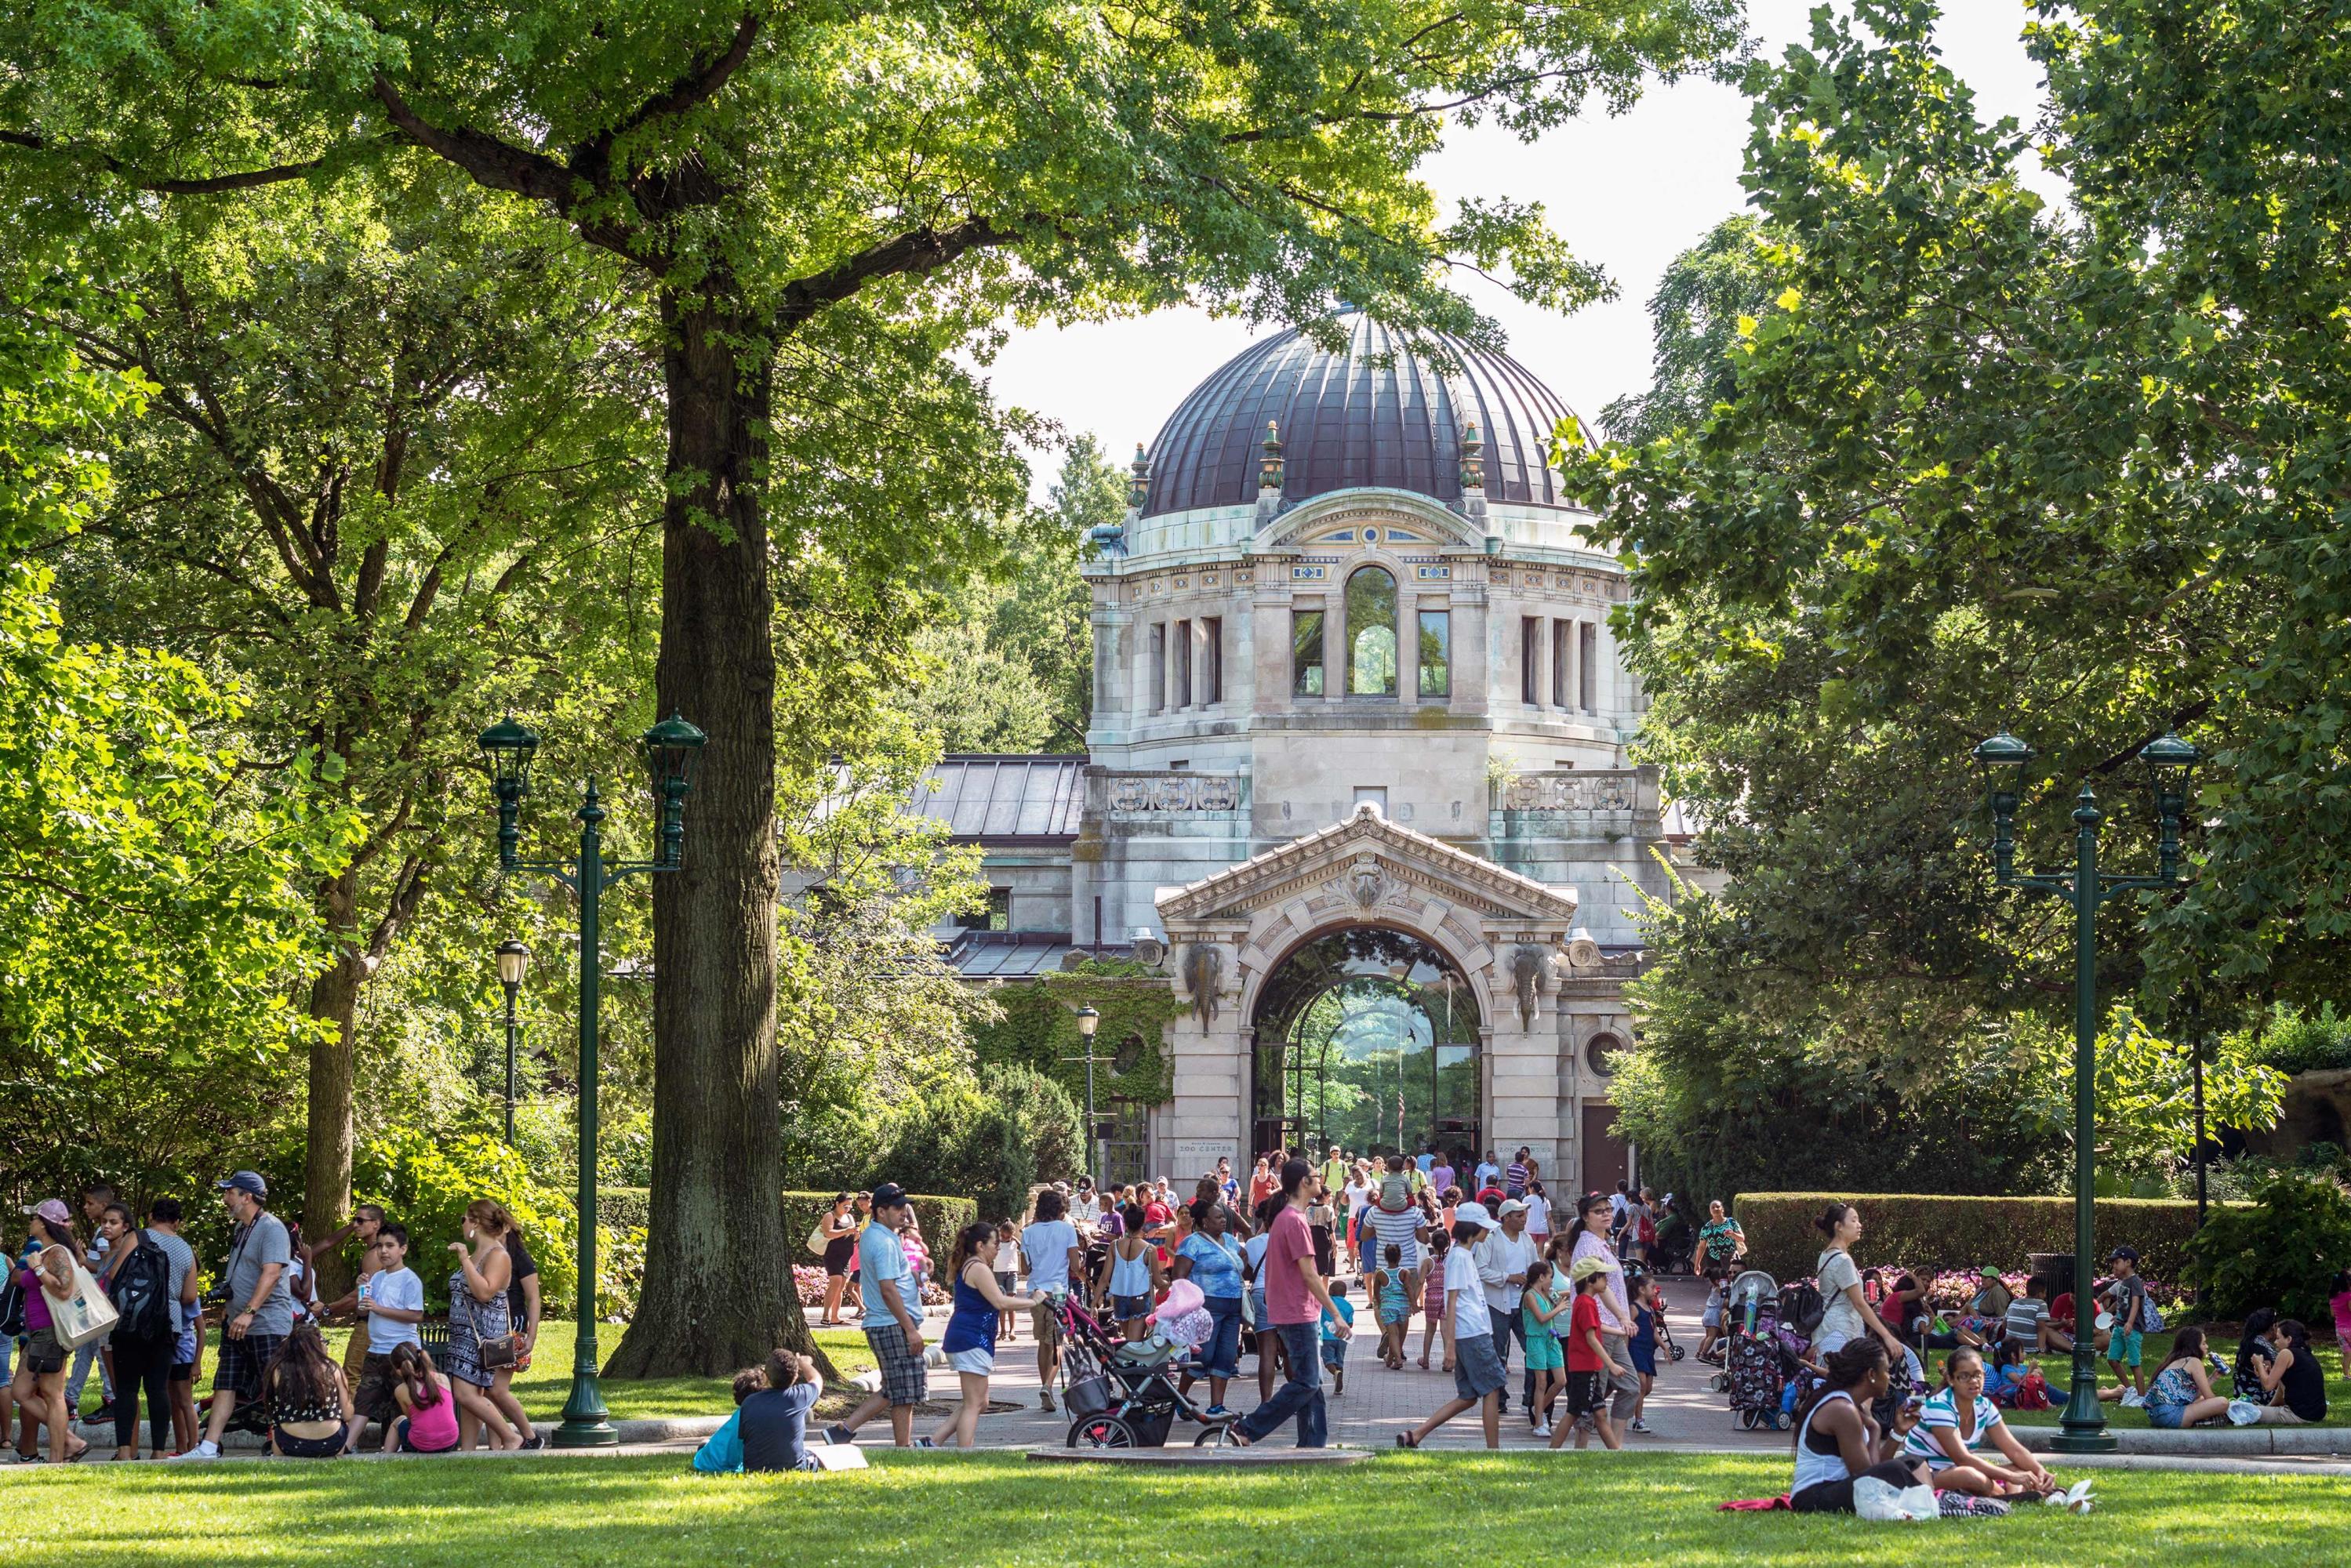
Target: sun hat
[
  {"x": 1583, "y": 1268},
  {"x": 1473, "y": 1214}
]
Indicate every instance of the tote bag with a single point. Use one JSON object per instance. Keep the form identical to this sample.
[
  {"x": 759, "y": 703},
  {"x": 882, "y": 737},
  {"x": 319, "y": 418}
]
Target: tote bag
[{"x": 86, "y": 1315}]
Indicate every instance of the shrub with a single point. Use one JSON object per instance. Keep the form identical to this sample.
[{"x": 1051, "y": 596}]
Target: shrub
[
  {"x": 1943, "y": 1231},
  {"x": 2293, "y": 1041},
  {"x": 2280, "y": 1250},
  {"x": 425, "y": 1182}
]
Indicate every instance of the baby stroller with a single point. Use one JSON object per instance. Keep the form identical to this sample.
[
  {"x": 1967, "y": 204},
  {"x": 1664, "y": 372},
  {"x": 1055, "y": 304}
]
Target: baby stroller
[
  {"x": 1121, "y": 1394},
  {"x": 1756, "y": 1370}
]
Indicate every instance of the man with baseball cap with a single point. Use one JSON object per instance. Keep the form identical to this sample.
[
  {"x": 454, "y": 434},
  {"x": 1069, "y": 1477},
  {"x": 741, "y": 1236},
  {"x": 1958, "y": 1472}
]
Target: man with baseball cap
[
  {"x": 260, "y": 1307},
  {"x": 893, "y": 1324},
  {"x": 1477, "y": 1374}
]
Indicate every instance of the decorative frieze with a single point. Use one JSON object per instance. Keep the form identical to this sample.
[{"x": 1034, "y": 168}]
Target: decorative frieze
[
  {"x": 1154, "y": 793},
  {"x": 1572, "y": 791}
]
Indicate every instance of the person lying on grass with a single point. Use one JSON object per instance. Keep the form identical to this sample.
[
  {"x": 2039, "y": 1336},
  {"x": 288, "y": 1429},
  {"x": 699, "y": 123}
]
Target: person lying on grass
[{"x": 1958, "y": 1424}]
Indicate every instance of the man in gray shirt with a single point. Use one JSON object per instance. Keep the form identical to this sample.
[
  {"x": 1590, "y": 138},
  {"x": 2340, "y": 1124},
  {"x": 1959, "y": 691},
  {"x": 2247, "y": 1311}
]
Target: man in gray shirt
[{"x": 260, "y": 1307}]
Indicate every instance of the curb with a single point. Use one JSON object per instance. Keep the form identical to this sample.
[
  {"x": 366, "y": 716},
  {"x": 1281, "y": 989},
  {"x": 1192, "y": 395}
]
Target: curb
[
  {"x": 2238, "y": 1443},
  {"x": 648, "y": 1429}
]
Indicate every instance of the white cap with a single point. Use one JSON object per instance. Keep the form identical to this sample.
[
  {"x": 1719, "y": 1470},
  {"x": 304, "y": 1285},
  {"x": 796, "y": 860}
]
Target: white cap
[
  {"x": 1474, "y": 1214},
  {"x": 1510, "y": 1206}
]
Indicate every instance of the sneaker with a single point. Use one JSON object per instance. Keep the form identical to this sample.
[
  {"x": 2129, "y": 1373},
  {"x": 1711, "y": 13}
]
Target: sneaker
[
  {"x": 1045, "y": 1398},
  {"x": 1638, "y": 1425},
  {"x": 206, "y": 1449},
  {"x": 2245, "y": 1412},
  {"x": 535, "y": 1442},
  {"x": 1543, "y": 1428},
  {"x": 1218, "y": 1413},
  {"x": 837, "y": 1433},
  {"x": 924, "y": 1443}
]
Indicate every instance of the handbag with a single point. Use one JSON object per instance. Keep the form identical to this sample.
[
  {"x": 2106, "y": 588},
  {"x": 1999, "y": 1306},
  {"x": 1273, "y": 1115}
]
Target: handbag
[
  {"x": 816, "y": 1239},
  {"x": 86, "y": 1315},
  {"x": 493, "y": 1354}
]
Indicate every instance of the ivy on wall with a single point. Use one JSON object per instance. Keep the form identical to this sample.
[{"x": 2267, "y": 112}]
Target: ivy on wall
[{"x": 1039, "y": 1027}]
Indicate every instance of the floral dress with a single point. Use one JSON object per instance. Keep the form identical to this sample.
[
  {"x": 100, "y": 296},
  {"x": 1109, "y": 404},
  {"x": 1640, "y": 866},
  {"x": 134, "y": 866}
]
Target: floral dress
[{"x": 470, "y": 1322}]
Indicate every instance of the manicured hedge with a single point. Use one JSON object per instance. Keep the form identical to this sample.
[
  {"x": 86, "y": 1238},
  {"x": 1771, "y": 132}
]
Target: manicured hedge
[
  {"x": 627, "y": 1208},
  {"x": 1957, "y": 1232}
]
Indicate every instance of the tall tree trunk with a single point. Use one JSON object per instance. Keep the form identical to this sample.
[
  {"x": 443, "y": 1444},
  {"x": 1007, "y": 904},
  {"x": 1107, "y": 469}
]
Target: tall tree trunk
[
  {"x": 716, "y": 1293},
  {"x": 334, "y": 1002}
]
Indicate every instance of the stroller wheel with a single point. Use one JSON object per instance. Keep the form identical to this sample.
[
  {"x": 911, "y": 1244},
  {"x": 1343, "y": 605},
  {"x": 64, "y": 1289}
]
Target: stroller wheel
[
  {"x": 1211, "y": 1436},
  {"x": 1747, "y": 1418},
  {"x": 1101, "y": 1432},
  {"x": 1678, "y": 1353}
]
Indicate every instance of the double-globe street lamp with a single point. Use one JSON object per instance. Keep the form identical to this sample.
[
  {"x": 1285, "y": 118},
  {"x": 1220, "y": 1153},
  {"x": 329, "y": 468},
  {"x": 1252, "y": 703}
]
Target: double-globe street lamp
[
  {"x": 670, "y": 748},
  {"x": 2169, "y": 762}
]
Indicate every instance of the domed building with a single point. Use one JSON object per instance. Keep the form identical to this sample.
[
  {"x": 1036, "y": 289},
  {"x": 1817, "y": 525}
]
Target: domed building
[{"x": 1356, "y": 776}]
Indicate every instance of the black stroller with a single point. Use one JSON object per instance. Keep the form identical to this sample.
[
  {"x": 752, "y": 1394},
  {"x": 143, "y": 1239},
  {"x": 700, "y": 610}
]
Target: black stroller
[
  {"x": 1121, "y": 1394},
  {"x": 1760, "y": 1362}
]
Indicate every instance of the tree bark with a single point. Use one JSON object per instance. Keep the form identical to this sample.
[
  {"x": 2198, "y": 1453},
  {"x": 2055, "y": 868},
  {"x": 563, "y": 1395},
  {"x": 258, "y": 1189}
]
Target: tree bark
[
  {"x": 335, "y": 1002},
  {"x": 716, "y": 1293}
]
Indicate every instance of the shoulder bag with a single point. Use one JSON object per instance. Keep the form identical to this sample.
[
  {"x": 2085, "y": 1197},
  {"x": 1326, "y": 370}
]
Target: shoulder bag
[{"x": 493, "y": 1354}]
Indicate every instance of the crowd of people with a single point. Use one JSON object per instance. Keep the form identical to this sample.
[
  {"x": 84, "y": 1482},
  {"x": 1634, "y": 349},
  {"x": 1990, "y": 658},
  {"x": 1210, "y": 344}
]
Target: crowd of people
[{"x": 272, "y": 1360}]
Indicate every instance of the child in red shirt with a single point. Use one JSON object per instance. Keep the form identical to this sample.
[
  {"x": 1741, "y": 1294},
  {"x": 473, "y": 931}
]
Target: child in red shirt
[{"x": 1587, "y": 1360}]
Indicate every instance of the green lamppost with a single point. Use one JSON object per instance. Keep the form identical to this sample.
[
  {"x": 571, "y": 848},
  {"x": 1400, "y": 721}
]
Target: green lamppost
[
  {"x": 671, "y": 748},
  {"x": 2170, "y": 761},
  {"x": 514, "y": 961}
]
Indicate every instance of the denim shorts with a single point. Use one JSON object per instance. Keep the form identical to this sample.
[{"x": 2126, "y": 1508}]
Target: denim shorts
[
  {"x": 2167, "y": 1416},
  {"x": 1125, "y": 1307},
  {"x": 1476, "y": 1369}
]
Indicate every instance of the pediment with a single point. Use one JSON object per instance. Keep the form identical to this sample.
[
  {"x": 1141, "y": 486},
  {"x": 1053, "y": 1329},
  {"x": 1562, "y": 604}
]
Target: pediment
[
  {"x": 1355, "y": 866},
  {"x": 1400, "y": 521}
]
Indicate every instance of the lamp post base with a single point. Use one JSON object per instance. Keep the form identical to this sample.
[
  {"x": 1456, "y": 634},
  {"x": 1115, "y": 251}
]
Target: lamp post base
[
  {"x": 2082, "y": 1428},
  {"x": 601, "y": 1434},
  {"x": 586, "y": 1423}
]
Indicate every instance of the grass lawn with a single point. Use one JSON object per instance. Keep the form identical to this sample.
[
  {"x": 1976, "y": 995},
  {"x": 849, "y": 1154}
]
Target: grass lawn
[
  {"x": 548, "y": 1382},
  {"x": 1399, "y": 1509},
  {"x": 2059, "y": 1371}
]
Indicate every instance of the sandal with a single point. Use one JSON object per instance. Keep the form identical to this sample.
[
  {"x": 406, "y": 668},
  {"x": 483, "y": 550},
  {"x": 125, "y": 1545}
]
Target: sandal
[{"x": 1406, "y": 1440}]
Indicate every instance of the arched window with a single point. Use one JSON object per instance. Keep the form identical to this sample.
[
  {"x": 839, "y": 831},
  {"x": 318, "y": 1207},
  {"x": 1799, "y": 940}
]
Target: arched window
[
  {"x": 1596, "y": 1054},
  {"x": 1372, "y": 634}
]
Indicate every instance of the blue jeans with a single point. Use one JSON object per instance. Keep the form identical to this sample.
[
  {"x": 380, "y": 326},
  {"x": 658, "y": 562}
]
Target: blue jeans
[
  {"x": 1220, "y": 1354},
  {"x": 1302, "y": 1395},
  {"x": 80, "y": 1375}
]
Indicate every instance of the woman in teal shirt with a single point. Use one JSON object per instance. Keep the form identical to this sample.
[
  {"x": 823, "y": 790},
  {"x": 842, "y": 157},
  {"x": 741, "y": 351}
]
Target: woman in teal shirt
[{"x": 1210, "y": 1259}]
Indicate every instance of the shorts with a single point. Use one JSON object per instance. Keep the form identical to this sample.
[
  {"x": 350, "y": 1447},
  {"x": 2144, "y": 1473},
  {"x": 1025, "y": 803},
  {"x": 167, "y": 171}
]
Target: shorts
[
  {"x": 2126, "y": 1348},
  {"x": 327, "y": 1447},
  {"x": 1043, "y": 1318},
  {"x": 978, "y": 1362},
  {"x": 1542, "y": 1352},
  {"x": 1125, "y": 1307},
  {"x": 904, "y": 1380},
  {"x": 243, "y": 1361},
  {"x": 1710, "y": 1319},
  {"x": 1334, "y": 1355},
  {"x": 1587, "y": 1392},
  {"x": 1008, "y": 1284},
  {"x": 2167, "y": 1416},
  {"x": 372, "y": 1395},
  {"x": 837, "y": 1256},
  {"x": 43, "y": 1354},
  {"x": 183, "y": 1354},
  {"x": 1476, "y": 1369}
]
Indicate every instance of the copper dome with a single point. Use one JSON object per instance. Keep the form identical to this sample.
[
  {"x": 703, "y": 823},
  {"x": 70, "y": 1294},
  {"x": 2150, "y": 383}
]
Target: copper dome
[{"x": 1376, "y": 414}]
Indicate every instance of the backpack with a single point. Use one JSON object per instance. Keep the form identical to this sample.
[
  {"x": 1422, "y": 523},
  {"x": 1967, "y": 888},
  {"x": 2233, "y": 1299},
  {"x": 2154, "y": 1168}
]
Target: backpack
[
  {"x": 141, "y": 1290},
  {"x": 12, "y": 1307},
  {"x": 1801, "y": 1307},
  {"x": 1647, "y": 1233}
]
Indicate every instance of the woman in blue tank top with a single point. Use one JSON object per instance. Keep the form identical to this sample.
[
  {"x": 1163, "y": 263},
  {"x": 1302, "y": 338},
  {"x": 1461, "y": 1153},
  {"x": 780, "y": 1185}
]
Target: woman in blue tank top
[{"x": 969, "y": 1344}]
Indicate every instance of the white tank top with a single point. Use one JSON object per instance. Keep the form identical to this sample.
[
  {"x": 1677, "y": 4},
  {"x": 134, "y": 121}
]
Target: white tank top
[{"x": 1813, "y": 1469}]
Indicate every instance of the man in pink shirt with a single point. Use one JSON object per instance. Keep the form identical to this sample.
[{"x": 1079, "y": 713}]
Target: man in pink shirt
[{"x": 1295, "y": 1301}]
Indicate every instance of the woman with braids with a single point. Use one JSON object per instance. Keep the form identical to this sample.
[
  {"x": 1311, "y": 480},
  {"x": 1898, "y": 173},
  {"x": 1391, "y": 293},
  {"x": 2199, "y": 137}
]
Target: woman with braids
[{"x": 1838, "y": 1442}]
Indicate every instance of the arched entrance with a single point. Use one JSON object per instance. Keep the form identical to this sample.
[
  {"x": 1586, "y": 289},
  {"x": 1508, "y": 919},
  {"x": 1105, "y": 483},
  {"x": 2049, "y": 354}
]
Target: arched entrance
[{"x": 1367, "y": 1038}]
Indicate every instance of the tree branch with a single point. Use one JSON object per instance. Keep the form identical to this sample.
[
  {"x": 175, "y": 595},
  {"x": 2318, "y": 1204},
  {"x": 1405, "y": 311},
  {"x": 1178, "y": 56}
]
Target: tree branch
[
  {"x": 701, "y": 82},
  {"x": 498, "y": 165},
  {"x": 210, "y": 185},
  {"x": 917, "y": 250}
]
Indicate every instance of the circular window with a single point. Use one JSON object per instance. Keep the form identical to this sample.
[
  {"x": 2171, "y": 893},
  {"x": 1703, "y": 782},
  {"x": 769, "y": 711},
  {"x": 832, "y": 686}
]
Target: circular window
[
  {"x": 1371, "y": 536},
  {"x": 1596, "y": 1054}
]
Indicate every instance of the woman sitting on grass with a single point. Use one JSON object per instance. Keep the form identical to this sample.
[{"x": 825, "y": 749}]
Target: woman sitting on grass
[
  {"x": 1958, "y": 1424},
  {"x": 2292, "y": 1378},
  {"x": 2181, "y": 1394},
  {"x": 1837, "y": 1440},
  {"x": 309, "y": 1402}
]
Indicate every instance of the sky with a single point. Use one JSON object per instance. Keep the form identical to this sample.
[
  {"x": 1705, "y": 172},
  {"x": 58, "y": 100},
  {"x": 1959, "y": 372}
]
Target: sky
[{"x": 1629, "y": 193}]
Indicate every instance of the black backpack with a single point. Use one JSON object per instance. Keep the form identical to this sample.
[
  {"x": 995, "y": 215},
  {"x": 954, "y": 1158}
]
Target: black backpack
[
  {"x": 12, "y": 1307},
  {"x": 141, "y": 1288}
]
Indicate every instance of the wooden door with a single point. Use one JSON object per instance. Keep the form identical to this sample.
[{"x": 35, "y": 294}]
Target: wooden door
[{"x": 1605, "y": 1161}]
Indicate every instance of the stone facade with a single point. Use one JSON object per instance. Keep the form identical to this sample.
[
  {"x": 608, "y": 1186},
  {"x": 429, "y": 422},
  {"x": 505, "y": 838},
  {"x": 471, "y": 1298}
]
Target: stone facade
[{"x": 1368, "y": 708}]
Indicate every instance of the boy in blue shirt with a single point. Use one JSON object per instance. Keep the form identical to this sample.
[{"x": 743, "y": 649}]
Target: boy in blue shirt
[{"x": 1334, "y": 1349}]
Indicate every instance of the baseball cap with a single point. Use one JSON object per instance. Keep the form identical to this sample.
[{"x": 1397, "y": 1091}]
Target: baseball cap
[
  {"x": 1473, "y": 1214},
  {"x": 52, "y": 1210},
  {"x": 1511, "y": 1205},
  {"x": 2123, "y": 1255},
  {"x": 889, "y": 1194},
  {"x": 1583, "y": 1268},
  {"x": 1991, "y": 1273},
  {"x": 244, "y": 1181}
]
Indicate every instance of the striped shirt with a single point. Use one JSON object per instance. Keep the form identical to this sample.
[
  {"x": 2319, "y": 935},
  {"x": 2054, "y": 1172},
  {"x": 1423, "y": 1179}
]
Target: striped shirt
[
  {"x": 2026, "y": 1316},
  {"x": 1941, "y": 1413},
  {"x": 1400, "y": 1228}
]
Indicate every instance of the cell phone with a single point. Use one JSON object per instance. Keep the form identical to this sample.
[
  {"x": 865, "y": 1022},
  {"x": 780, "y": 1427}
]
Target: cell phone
[{"x": 1917, "y": 1401}]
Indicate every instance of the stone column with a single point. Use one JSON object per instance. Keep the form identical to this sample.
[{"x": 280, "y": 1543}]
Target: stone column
[
  {"x": 1472, "y": 660},
  {"x": 1269, "y": 621}
]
